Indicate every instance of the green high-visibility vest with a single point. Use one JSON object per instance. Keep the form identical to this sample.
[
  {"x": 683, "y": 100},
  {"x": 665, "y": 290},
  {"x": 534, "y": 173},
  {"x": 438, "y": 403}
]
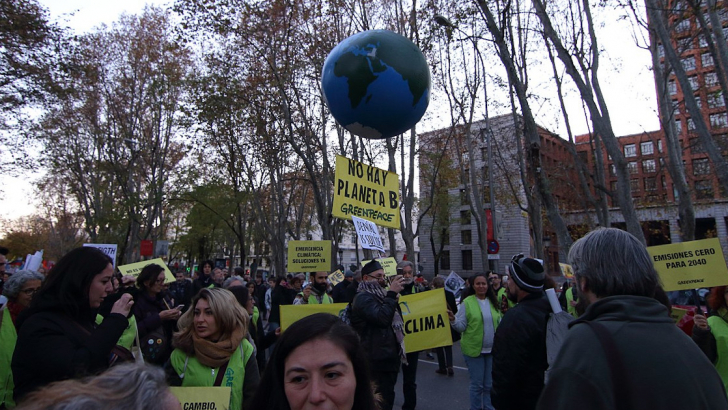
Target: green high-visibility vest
[
  {"x": 8, "y": 338},
  {"x": 195, "y": 374},
  {"x": 569, "y": 299},
  {"x": 719, "y": 329},
  {"x": 471, "y": 342}
]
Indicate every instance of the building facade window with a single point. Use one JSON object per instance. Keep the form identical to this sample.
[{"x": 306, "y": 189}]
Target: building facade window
[
  {"x": 671, "y": 87},
  {"x": 688, "y": 64},
  {"x": 691, "y": 124},
  {"x": 694, "y": 83},
  {"x": 632, "y": 168},
  {"x": 707, "y": 60},
  {"x": 704, "y": 189},
  {"x": 612, "y": 170},
  {"x": 465, "y": 217},
  {"x": 701, "y": 166},
  {"x": 467, "y": 259},
  {"x": 719, "y": 120},
  {"x": 445, "y": 260},
  {"x": 682, "y": 26},
  {"x": 678, "y": 126},
  {"x": 634, "y": 185},
  {"x": 466, "y": 237},
  {"x": 715, "y": 99},
  {"x": 650, "y": 184},
  {"x": 648, "y": 166},
  {"x": 630, "y": 150},
  {"x": 711, "y": 79},
  {"x": 696, "y": 147},
  {"x": 647, "y": 148},
  {"x": 659, "y": 146}
]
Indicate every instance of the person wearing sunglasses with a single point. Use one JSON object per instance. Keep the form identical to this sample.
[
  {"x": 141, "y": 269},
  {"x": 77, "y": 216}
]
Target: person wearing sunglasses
[{"x": 519, "y": 346}]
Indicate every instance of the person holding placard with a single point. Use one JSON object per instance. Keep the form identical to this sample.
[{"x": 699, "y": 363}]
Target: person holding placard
[
  {"x": 376, "y": 316},
  {"x": 477, "y": 320},
  {"x": 58, "y": 338},
  {"x": 211, "y": 348},
  {"x": 711, "y": 334},
  {"x": 154, "y": 315},
  {"x": 317, "y": 363}
]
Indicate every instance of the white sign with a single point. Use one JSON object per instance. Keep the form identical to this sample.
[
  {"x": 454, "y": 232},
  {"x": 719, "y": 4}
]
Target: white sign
[
  {"x": 453, "y": 283},
  {"x": 368, "y": 234},
  {"x": 108, "y": 248},
  {"x": 33, "y": 262}
]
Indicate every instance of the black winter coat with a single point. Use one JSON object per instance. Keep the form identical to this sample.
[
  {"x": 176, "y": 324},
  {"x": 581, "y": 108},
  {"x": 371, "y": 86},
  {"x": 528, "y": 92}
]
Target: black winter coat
[
  {"x": 519, "y": 354},
  {"x": 372, "y": 320},
  {"x": 53, "y": 347}
]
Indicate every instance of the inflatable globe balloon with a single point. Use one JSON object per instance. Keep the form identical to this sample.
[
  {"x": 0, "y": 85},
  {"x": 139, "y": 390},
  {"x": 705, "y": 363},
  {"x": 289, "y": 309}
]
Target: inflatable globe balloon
[{"x": 376, "y": 84}]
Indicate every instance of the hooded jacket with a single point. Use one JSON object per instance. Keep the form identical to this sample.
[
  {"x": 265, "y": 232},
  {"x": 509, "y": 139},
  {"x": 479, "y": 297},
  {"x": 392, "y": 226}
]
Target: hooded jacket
[{"x": 666, "y": 369}]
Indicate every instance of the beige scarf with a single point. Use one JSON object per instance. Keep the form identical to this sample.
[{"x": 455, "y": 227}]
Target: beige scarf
[{"x": 215, "y": 354}]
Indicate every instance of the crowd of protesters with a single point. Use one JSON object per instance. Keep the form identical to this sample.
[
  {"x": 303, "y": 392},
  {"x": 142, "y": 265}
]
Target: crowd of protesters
[{"x": 83, "y": 336}]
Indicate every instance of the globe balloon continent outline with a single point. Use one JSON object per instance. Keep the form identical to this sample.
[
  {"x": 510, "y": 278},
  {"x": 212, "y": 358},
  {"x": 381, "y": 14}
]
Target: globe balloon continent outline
[{"x": 376, "y": 84}]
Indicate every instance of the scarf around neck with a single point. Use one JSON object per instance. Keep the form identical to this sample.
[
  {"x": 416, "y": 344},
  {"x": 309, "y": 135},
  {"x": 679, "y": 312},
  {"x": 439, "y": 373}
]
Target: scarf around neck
[
  {"x": 215, "y": 354},
  {"x": 376, "y": 290}
]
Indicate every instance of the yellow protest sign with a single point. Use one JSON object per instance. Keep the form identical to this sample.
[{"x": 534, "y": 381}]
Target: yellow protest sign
[
  {"x": 134, "y": 269},
  {"x": 690, "y": 265},
  {"x": 677, "y": 314},
  {"x": 336, "y": 277},
  {"x": 388, "y": 264},
  {"x": 426, "y": 325},
  {"x": 367, "y": 192},
  {"x": 309, "y": 256},
  {"x": 209, "y": 398},
  {"x": 567, "y": 270},
  {"x": 292, "y": 313}
]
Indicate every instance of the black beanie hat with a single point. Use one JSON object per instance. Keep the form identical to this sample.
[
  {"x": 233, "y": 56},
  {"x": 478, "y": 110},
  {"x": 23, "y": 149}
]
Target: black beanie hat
[
  {"x": 371, "y": 267},
  {"x": 528, "y": 273}
]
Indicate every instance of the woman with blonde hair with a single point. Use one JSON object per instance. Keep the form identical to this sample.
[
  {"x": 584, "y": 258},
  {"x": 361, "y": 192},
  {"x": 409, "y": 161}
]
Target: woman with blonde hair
[{"x": 211, "y": 348}]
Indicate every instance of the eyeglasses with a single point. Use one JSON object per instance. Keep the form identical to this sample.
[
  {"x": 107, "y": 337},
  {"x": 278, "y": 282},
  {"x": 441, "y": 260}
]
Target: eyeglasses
[
  {"x": 377, "y": 277},
  {"x": 29, "y": 292}
]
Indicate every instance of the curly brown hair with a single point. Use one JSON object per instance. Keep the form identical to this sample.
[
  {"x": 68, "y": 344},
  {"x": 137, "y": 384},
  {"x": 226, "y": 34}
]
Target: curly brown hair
[{"x": 716, "y": 298}]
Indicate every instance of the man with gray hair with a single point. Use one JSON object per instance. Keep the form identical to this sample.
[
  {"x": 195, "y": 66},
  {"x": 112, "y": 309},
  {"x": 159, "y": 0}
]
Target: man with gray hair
[{"x": 625, "y": 352}]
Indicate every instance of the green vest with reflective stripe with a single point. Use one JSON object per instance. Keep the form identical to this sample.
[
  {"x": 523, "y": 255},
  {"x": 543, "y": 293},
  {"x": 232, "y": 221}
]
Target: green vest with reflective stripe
[
  {"x": 8, "y": 337},
  {"x": 471, "y": 342},
  {"x": 256, "y": 315},
  {"x": 195, "y": 374},
  {"x": 719, "y": 329}
]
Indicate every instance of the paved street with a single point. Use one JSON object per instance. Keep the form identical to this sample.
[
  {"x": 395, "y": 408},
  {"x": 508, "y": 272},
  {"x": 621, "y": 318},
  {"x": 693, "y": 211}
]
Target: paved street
[{"x": 435, "y": 391}]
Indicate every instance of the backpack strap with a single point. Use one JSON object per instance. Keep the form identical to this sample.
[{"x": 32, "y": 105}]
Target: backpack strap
[{"x": 618, "y": 372}]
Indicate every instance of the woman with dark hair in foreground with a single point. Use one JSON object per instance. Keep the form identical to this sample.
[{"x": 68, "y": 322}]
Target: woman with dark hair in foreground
[{"x": 317, "y": 361}]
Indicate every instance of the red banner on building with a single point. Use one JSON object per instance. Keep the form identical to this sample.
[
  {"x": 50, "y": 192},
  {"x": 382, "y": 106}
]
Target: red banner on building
[{"x": 489, "y": 219}]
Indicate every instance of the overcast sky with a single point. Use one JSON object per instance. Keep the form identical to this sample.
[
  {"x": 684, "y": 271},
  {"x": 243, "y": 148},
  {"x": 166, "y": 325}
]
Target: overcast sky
[{"x": 625, "y": 78}]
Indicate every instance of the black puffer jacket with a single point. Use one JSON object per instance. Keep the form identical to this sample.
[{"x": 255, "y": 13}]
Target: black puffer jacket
[
  {"x": 519, "y": 354},
  {"x": 372, "y": 319}
]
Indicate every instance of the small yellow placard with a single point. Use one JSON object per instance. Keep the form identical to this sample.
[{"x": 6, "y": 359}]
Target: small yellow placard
[
  {"x": 388, "y": 264},
  {"x": 690, "y": 265},
  {"x": 677, "y": 314},
  {"x": 134, "y": 269},
  {"x": 567, "y": 270},
  {"x": 336, "y": 277},
  {"x": 367, "y": 192},
  {"x": 208, "y": 398},
  {"x": 309, "y": 256},
  {"x": 292, "y": 313}
]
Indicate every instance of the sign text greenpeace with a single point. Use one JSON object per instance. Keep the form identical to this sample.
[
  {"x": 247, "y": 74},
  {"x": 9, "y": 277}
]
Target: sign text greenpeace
[
  {"x": 367, "y": 192},
  {"x": 309, "y": 256},
  {"x": 690, "y": 265}
]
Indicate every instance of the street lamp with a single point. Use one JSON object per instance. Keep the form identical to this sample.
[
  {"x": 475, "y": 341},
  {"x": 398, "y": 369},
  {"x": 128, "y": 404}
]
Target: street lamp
[{"x": 443, "y": 21}]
